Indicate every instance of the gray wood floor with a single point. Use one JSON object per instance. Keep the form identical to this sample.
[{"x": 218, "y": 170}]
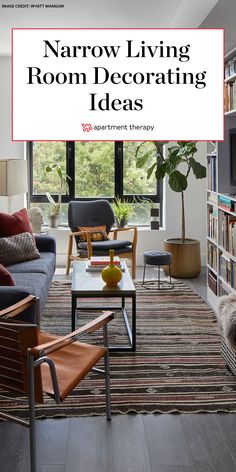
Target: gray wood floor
[{"x": 129, "y": 443}]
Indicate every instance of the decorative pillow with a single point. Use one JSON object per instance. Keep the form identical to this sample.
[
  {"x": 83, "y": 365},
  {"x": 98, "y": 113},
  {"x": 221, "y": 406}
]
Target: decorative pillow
[
  {"x": 19, "y": 248},
  {"x": 14, "y": 224},
  {"x": 5, "y": 277},
  {"x": 98, "y": 233}
]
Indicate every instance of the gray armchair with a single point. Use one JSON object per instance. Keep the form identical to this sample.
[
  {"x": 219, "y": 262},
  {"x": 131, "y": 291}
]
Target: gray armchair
[{"x": 91, "y": 214}]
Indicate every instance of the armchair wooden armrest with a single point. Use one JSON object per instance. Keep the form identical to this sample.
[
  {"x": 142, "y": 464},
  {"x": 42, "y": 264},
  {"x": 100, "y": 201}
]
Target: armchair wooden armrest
[
  {"x": 128, "y": 228},
  {"x": 18, "y": 307},
  {"x": 76, "y": 233},
  {"x": 47, "y": 348},
  {"x": 80, "y": 233}
]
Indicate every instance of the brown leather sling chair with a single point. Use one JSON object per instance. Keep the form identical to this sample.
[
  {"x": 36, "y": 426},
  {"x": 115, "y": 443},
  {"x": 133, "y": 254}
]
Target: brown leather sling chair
[{"x": 33, "y": 362}]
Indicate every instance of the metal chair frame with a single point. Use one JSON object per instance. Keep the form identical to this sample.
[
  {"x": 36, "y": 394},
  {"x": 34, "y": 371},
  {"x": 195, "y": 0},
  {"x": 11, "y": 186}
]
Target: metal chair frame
[{"x": 38, "y": 354}]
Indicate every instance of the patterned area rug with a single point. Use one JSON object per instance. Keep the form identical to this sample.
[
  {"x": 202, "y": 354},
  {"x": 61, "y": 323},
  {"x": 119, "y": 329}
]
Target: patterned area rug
[{"x": 177, "y": 367}]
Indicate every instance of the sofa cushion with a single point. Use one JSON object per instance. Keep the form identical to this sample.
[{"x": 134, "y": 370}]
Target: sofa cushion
[
  {"x": 5, "y": 277},
  {"x": 35, "y": 284},
  {"x": 44, "y": 265},
  {"x": 18, "y": 248},
  {"x": 14, "y": 224}
]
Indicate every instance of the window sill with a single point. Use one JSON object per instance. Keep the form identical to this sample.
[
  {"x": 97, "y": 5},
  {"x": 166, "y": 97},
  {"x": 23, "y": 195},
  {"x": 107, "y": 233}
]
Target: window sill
[{"x": 46, "y": 229}]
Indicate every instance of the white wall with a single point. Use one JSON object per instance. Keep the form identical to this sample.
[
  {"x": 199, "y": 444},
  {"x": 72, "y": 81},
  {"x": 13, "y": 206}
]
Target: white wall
[
  {"x": 8, "y": 149},
  {"x": 147, "y": 239},
  {"x": 223, "y": 16}
]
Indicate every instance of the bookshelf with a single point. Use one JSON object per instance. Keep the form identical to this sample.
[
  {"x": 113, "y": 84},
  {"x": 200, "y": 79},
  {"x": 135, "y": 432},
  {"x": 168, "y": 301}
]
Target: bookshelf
[
  {"x": 221, "y": 200},
  {"x": 230, "y": 84}
]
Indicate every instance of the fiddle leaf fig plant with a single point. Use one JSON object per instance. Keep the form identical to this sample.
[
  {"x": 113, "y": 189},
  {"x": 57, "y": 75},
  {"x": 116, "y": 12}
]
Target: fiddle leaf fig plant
[{"x": 180, "y": 154}]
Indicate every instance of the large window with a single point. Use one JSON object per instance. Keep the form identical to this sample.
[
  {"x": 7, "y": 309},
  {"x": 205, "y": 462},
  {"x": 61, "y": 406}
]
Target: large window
[{"x": 95, "y": 170}]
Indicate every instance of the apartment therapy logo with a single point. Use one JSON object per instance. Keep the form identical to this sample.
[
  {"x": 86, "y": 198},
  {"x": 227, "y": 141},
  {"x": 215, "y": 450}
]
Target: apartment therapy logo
[{"x": 124, "y": 73}]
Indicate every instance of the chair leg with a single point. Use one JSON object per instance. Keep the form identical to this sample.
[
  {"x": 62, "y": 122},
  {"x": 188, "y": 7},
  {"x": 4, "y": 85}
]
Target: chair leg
[
  {"x": 69, "y": 252},
  {"x": 107, "y": 374},
  {"x": 32, "y": 420},
  {"x": 68, "y": 265},
  {"x": 144, "y": 271},
  {"x": 133, "y": 265}
]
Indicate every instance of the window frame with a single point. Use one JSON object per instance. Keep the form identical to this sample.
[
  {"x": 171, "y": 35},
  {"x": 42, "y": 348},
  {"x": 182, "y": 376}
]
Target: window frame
[{"x": 70, "y": 169}]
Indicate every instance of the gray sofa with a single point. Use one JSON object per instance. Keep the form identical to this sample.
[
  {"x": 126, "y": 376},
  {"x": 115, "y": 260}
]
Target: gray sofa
[{"x": 32, "y": 277}]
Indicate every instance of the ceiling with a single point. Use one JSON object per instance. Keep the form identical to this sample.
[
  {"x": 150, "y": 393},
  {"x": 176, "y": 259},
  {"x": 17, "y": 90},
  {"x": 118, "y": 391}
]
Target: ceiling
[{"x": 102, "y": 13}]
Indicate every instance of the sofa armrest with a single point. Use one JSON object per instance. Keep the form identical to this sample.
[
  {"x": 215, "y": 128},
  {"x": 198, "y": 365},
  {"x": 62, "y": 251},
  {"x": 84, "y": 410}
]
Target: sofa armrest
[
  {"x": 11, "y": 295},
  {"x": 45, "y": 243}
]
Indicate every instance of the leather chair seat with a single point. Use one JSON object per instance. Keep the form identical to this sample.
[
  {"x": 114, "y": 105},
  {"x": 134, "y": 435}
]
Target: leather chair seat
[{"x": 72, "y": 363}]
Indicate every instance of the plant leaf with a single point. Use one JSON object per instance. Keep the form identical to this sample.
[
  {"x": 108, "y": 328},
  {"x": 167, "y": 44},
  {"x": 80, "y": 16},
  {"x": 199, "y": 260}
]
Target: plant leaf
[
  {"x": 59, "y": 171},
  {"x": 172, "y": 162},
  {"x": 198, "y": 170},
  {"x": 178, "y": 181},
  {"x": 161, "y": 171},
  {"x": 150, "y": 170},
  {"x": 141, "y": 161}
]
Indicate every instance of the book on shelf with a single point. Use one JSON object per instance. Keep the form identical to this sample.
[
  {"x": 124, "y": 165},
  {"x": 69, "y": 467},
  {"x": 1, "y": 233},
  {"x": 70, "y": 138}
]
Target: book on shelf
[
  {"x": 99, "y": 268},
  {"x": 227, "y": 232},
  {"x": 226, "y": 203},
  {"x": 212, "y": 223},
  {"x": 230, "y": 67},
  {"x": 212, "y": 197},
  {"x": 229, "y": 96},
  {"x": 227, "y": 270},
  {"x": 212, "y": 282},
  {"x": 211, "y": 172},
  {"x": 212, "y": 256}
]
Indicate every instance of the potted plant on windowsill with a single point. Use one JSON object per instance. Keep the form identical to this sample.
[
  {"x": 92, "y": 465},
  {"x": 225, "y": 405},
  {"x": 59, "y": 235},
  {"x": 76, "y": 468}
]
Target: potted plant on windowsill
[
  {"x": 123, "y": 210},
  {"x": 185, "y": 251},
  {"x": 55, "y": 207}
]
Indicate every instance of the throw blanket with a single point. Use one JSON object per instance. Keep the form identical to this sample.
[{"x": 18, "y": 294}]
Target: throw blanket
[{"x": 226, "y": 315}]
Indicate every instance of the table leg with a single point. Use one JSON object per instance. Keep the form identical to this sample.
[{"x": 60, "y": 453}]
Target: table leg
[
  {"x": 134, "y": 323},
  {"x": 73, "y": 312}
]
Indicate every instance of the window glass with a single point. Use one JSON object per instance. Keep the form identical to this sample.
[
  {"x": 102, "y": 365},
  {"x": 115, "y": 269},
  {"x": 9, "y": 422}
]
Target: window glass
[
  {"x": 95, "y": 175},
  {"x": 43, "y": 155},
  {"x": 135, "y": 179},
  {"x": 94, "y": 169}
]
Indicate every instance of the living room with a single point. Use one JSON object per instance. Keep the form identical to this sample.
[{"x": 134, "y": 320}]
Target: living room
[{"x": 172, "y": 396}]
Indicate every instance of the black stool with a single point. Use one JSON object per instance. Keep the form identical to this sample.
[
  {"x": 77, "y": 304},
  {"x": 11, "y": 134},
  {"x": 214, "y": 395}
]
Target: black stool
[{"x": 158, "y": 258}]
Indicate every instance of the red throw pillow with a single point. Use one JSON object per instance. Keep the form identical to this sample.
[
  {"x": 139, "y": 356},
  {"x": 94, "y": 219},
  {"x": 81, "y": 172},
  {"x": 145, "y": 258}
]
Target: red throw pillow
[
  {"x": 10, "y": 225},
  {"x": 5, "y": 277}
]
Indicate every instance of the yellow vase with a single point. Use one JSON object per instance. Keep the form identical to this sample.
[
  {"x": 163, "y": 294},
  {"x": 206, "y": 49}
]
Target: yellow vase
[{"x": 111, "y": 274}]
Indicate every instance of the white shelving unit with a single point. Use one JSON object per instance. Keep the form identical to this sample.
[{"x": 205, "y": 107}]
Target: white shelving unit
[{"x": 221, "y": 266}]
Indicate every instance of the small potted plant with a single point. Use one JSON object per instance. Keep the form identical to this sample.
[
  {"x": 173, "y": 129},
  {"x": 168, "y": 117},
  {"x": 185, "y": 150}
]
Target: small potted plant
[
  {"x": 123, "y": 210},
  {"x": 55, "y": 208}
]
